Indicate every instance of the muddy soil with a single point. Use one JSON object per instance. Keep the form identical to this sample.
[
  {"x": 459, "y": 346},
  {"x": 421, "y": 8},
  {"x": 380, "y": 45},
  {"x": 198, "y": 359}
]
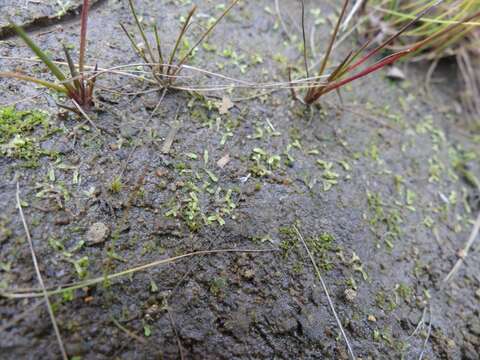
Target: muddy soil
[{"x": 380, "y": 184}]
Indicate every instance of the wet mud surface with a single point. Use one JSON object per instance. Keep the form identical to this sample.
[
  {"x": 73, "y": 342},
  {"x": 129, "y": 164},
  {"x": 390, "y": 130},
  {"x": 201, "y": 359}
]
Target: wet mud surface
[{"x": 381, "y": 185}]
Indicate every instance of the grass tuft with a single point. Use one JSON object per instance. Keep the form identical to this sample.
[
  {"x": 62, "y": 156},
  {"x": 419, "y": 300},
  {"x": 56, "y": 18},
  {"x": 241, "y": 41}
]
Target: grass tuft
[
  {"x": 76, "y": 86},
  {"x": 165, "y": 73},
  {"x": 348, "y": 69},
  {"x": 463, "y": 45}
]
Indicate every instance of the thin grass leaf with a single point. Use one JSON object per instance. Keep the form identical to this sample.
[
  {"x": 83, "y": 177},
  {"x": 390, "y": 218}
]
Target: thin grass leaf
[
  {"x": 315, "y": 92},
  {"x": 47, "y": 84},
  {"x": 101, "y": 279},
  {"x": 318, "y": 90},
  {"x": 134, "y": 45},
  {"x": 304, "y": 37},
  {"x": 405, "y": 16},
  {"x": 443, "y": 32},
  {"x": 43, "y": 56},
  {"x": 83, "y": 36},
  {"x": 159, "y": 47},
  {"x": 73, "y": 70},
  {"x": 91, "y": 83},
  {"x": 338, "y": 70},
  {"x": 346, "y": 66},
  {"x": 142, "y": 31},
  {"x": 393, "y": 37},
  {"x": 332, "y": 39},
  {"x": 378, "y": 65},
  {"x": 355, "y": 55},
  {"x": 179, "y": 38},
  {"x": 396, "y": 56}
]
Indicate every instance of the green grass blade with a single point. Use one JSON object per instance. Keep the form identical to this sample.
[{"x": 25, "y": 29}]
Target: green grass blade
[
  {"x": 73, "y": 70},
  {"x": 43, "y": 56},
  {"x": 91, "y": 85},
  {"x": 392, "y": 38},
  {"x": 304, "y": 38},
  {"x": 32, "y": 79},
  {"x": 159, "y": 46},
  {"x": 341, "y": 67},
  {"x": 142, "y": 31},
  {"x": 134, "y": 45},
  {"x": 332, "y": 39},
  {"x": 39, "y": 52},
  {"x": 405, "y": 16},
  {"x": 83, "y": 36},
  {"x": 179, "y": 38}
]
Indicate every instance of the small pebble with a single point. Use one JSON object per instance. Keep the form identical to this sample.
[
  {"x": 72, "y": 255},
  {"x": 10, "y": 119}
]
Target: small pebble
[
  {"x": 350, "y": 295},
  {"x": 97, "y": 233}
]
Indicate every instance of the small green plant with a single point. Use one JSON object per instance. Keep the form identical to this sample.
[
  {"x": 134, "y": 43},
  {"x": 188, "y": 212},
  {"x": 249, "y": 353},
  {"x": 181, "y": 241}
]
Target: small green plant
[
  {"x": 78, "y": 87},
  {"x": 217, "y": 285},
  {"x": 338, "y": 77},
  {"x": 14, "y": 122},
  {"x": 16, "y": 135},
  {"x": 116, "y": 185},
  {"x": 165, "y": 69}
]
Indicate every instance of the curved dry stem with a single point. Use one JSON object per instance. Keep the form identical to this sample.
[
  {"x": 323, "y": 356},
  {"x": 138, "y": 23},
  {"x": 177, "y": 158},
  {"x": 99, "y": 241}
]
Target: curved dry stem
[{"x": 33, "y": 293}]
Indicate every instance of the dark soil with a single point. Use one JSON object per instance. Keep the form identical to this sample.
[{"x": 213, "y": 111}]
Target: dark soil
[{"x": 380, "y": 186}]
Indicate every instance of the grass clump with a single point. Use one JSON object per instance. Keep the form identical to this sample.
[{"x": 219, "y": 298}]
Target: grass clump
[
  {"x": 165, "y": 67},
  {"x": 464, "y": 45},
  {"x": 76, "y": 86},
  {"x": 348, "y": 69}
]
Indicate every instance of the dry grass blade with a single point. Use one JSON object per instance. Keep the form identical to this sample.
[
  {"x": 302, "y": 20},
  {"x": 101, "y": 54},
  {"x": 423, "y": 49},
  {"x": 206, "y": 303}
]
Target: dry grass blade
[
  {"x": 47, "y": 84},
  {"x": 174, "y": 328},
  {"x": 128, "y": 332},
  {"x": 167, "y": 144},
  {"x": 34, "y": 293},
  {"x": 464, "y": 252},
  {"x": 231, "y": 83},
  {"x": 327, "y": 294},
  {"x": 351, "y": 14},
  {"x": 39, "y": 275}
]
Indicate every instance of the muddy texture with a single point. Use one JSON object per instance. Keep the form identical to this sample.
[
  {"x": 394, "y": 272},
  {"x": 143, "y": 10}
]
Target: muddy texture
[{"x": 381, "y": 186}]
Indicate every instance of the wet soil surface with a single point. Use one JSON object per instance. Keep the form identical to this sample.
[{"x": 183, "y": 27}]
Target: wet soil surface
[{"x": 381, "y": 185}]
